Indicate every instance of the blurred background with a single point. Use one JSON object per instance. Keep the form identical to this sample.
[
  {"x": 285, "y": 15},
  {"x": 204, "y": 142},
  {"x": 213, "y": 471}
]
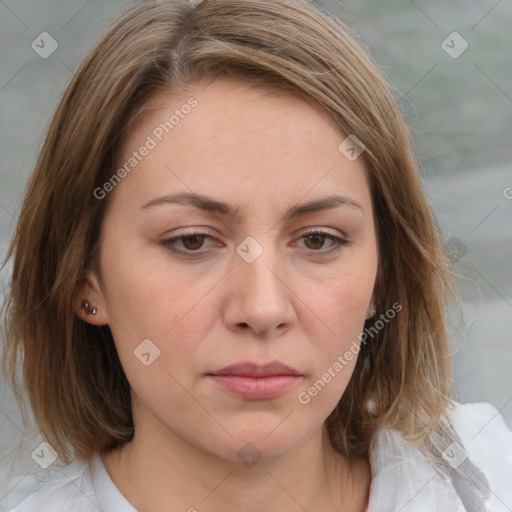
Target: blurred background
[{"x": 451, "y": 66}]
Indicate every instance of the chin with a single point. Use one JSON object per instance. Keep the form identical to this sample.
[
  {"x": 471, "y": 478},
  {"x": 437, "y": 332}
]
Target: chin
[{"x": 265, "y": 441}]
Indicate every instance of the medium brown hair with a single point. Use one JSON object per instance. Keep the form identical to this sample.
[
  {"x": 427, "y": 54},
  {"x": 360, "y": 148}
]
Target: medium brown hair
[{"x": 77, "y": 389}]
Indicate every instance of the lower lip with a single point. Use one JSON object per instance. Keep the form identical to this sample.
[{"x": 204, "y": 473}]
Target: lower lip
[{"x": 256, "y": 388}]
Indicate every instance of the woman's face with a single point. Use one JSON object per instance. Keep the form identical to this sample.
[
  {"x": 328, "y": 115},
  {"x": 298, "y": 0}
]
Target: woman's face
[{"x": 244, "y": 173}]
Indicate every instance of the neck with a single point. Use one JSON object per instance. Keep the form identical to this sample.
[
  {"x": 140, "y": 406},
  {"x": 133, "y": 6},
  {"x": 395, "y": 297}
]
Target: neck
[{"x": 165, "y": 472}]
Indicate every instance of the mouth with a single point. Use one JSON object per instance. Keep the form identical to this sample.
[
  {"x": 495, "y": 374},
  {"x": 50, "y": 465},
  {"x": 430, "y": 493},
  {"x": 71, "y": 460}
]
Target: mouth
[{"x": 256, "y": 382}]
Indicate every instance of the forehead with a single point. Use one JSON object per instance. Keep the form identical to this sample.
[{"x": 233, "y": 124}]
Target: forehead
[{"x": 241, "y": 141}]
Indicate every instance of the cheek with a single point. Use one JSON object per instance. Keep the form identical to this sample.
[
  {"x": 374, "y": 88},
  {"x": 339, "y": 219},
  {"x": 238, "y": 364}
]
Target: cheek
[
  {"x": 341, "y": 302},
  {"x": 163, "y": 327},
  {"x": 340, "y": 305},
  {"x": 148, "y": 299},
  {"x": 145, "y": 294}
]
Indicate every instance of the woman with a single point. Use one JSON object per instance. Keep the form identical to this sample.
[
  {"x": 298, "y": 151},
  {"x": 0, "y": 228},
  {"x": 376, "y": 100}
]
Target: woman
[{"x": 228, "y": 289}]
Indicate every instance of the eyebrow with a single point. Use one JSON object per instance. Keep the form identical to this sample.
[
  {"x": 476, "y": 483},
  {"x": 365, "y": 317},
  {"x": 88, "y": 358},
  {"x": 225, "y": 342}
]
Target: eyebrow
[{"x": 211, "y": 205}]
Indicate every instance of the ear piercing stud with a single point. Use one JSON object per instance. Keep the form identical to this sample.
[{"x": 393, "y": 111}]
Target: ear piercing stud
[{"x": 88, "y": 310}]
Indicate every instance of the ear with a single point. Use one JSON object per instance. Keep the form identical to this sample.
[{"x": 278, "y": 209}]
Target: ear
[
  {"x": 375, "y": 299},
  {"x": 88, "y": 289},
  {"x": 370, "y": 312}
]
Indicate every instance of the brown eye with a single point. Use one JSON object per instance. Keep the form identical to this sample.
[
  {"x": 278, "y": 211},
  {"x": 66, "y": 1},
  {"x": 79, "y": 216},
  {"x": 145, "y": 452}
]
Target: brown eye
[
  {"x": 315, "y": 242},
  {"x": 193, "y": 242},
  {"x": 192, "y": 245}
]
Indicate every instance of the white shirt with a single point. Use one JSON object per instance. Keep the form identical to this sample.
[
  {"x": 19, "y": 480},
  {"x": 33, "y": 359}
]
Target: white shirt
[{"x": 402, "y": 480}]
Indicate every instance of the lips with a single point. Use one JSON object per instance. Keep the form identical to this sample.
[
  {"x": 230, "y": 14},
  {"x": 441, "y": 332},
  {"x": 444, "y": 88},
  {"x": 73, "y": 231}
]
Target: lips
[
  {"x": 249, "y": 369},
  {"x": 256, "y": 382}
]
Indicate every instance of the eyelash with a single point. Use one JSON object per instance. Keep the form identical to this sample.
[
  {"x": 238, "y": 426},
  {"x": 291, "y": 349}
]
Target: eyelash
[{"x": 339, "y": 243}]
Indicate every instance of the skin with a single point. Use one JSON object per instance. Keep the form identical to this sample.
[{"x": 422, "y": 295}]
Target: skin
[{"x": 262, "y": 152}]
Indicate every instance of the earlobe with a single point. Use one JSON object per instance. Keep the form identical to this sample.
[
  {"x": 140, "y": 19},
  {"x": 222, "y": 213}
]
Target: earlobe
[
  {"x": 371, "y": 311},
  {"x": 375, "y": 298},
  {"x": 89, "y": 304},
  {"x": 87, "y": 308}
]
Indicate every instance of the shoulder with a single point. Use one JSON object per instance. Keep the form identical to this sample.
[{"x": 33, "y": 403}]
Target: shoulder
[
  {"x": 487, "y": 442},
  {"x": 481, "y": 423},
  {"x": 69, "y": 489},
  {"x": 79, "y": 487},
  {"x": 402, "y": 478}
]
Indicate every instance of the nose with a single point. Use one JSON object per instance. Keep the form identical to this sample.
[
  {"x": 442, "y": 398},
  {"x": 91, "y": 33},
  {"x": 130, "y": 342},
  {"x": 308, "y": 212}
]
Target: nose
[{"x": 260, "y": 296}]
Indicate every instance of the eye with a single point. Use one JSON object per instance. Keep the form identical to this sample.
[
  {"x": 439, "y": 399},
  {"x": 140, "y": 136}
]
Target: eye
[
  {"x": 187, "y": 243},
  {"x": 314, "y": 240},
  {"x": 192, "y": 243}
]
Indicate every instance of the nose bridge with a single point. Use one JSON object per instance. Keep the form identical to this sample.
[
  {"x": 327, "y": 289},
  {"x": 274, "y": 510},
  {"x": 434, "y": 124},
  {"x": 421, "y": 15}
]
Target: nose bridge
[
  {"x": 262, "y": 298},
  {"x": 258, "y": 266}
]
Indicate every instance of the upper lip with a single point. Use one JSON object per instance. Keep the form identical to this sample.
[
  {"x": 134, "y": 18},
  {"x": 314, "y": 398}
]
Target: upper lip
[{"x": 250, "y": 369}]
